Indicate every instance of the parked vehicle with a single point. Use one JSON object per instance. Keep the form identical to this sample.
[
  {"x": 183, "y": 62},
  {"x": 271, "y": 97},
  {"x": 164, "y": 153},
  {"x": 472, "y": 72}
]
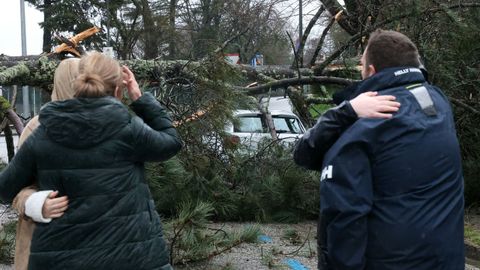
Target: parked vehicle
[{"x": 251, "y": 127}]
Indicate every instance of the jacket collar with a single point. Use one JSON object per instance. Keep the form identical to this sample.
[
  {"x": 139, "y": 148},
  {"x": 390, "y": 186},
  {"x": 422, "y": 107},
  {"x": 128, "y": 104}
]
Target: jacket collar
[{"x": 391, "y": 78}]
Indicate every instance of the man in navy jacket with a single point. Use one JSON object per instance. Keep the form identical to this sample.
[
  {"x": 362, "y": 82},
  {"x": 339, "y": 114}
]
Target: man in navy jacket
[{"x": 392, "y": 189}]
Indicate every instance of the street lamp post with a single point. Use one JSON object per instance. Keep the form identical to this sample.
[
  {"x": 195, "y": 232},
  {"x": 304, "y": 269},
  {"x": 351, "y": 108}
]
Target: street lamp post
[
  {"x": 25, "y": 92},
  {"x": 300, "y": 18}
]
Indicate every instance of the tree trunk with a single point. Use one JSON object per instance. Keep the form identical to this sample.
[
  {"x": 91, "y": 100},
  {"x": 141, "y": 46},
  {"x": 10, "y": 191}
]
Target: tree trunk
[
  {"x": 343, "y": 20},
  {"x": 15, "y": 120},
  {"x": 9, "y": 142},
  {"x": 150, "y": 32},
  {"x": 171, "y": 17},
  {"x": 47, "y": 32}
]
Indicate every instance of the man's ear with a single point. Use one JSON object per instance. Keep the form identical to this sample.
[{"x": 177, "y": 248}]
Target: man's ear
[{"x": 371, "y": 70}]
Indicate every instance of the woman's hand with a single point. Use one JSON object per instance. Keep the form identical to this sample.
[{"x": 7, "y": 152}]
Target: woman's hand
[
  {"x": 370, "y": 105},
  {"x": 131, "y": 83},
  {"x": 54, "y": 207}
]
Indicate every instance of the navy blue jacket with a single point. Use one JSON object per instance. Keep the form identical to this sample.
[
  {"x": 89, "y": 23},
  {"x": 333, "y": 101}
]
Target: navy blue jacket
[{"x": 392, "y": 189}]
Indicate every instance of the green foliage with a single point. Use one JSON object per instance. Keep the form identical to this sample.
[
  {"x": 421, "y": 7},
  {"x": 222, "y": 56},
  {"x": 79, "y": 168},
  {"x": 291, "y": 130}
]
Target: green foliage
[
  {"x": 269, "y": 260},
  {"x": 7, "y": 242},
  {"x": 264, "y": 186},
  {"x": 4, "y": 106},
  {"x": 471, "y": 170},
  {"x": 472, "y": 234},
  {"x": 9, "y": 74},
  {"x": 193, "y": 238},
  {"x": 273, "y": 188},
  {"x": 71, "y": 16},
  {"x": 238, "y": 184},
  {"x": 292, "y": 236},
  {"x": 317, "y": 109},
  {"x": 452, "y": 58}
]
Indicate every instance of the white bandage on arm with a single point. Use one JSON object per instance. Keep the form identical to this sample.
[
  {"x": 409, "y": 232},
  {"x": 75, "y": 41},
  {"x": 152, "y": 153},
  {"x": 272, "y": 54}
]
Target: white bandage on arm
[{"x": 34, "y": 206}]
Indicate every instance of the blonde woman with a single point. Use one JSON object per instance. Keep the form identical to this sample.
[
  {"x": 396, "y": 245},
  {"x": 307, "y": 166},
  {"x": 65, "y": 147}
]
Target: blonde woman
[
  {"x": 92, "y": 150},
  {"x": 29, "y": 201}
]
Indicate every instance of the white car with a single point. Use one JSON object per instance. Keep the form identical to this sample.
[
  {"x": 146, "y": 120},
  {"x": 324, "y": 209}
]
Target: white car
[{"x": 251, "y": 127}]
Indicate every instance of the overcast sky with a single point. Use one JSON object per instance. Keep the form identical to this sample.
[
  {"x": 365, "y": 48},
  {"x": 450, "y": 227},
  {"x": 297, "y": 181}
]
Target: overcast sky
[{"x": 10, "y": 38}]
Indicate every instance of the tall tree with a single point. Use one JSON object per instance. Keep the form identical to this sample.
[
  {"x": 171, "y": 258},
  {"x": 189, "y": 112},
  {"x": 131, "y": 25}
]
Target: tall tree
[{"x": 62, "y": 16}]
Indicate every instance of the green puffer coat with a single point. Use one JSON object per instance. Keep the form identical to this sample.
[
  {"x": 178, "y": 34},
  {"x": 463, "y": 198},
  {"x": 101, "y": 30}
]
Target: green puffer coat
[{"x": 93, "y": 150}]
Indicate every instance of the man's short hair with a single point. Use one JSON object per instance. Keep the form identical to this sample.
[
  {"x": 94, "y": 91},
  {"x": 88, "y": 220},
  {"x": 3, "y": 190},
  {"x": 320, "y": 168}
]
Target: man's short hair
[{"x": 391, "y": 49}]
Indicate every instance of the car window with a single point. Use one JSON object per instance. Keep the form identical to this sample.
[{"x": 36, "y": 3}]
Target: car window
[
  {"x": 284, "y": 124},
  {"x": 250, "y": 124}
]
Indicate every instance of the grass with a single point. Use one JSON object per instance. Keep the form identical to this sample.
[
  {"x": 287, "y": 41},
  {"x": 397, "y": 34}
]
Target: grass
[{"x": 472, "y": 234}]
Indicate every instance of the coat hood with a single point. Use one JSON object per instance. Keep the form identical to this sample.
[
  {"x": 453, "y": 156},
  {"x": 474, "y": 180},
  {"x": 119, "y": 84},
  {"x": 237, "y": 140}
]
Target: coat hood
[
  {"x": 390, "y": 78},
  {"x": 83, "y": 122}
]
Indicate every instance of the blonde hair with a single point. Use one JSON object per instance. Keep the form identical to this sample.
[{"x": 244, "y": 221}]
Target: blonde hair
[
  {"x": 65, "y": 74},
  {"x": 99, "y": 76}
]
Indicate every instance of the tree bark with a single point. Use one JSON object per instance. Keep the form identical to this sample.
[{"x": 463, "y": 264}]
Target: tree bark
[
  {"x": 47, "y": 32},
  {"x": 343, "y": 20},
  {"x": 9, "y": 142},
  {"x": 294, "y": 81},
  {"x": 38, "y": 70},
  {"x": 171, "y": 17},
  {"x": 274, "y": 72},
  {"x": 15, "y": 120},
  {"x": 149, "y": 31}
]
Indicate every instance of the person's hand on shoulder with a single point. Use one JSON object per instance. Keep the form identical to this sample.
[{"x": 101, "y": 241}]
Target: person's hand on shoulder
[
  {"x": 131, "y": 84},
  {"x": 371, "y": 105}
]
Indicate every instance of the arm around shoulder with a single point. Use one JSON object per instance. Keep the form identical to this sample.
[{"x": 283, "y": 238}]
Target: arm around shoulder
[
  {"x": 19, "y": 201},
  {"x": 18, "y": 174}
]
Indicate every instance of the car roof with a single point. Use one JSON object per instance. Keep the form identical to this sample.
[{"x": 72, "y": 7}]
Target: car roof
[
  {"x": 254, "y": 112},
  {"x": 277, "y": 104}
]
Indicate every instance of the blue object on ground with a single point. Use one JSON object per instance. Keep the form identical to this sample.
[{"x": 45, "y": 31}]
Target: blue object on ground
[
  {"x": 294, "y": 264},
  {"x": 265, "y": 239}
]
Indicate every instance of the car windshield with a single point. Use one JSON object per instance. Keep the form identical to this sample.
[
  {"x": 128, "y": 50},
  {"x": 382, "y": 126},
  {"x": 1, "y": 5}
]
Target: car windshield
[
  {"x": 285, "y": 124},
  {"x": 250, "y": 124},
  {"x": 255, "y": 124}
]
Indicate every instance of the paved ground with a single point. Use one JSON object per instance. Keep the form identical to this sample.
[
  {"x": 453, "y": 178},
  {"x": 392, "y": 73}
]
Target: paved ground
[
  {"x": 275, "y": 254},
  {"x": 274, "y": 250}
]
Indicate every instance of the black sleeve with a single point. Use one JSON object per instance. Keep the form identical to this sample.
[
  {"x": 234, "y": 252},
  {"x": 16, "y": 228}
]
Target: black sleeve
[
  {"x": 18, "y": 174},
  {"x": 155, "y": 138},
  {"x": 311, "y": 148}
]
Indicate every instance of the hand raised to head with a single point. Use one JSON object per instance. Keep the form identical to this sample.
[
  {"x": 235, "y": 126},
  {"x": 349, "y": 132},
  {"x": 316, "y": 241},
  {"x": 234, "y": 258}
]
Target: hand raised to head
[{"x": 131, "y": 84}]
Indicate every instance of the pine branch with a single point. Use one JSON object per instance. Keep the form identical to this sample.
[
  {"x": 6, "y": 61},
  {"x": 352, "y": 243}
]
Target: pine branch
[
  {"x": 294, "y": 81},
  {"x": 314, "y": 100},
  {"x": 356, "y": 37},
  {"x": 464, "y": 105}
]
